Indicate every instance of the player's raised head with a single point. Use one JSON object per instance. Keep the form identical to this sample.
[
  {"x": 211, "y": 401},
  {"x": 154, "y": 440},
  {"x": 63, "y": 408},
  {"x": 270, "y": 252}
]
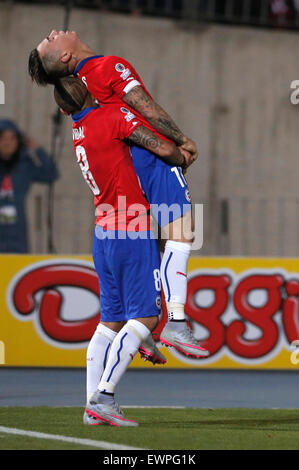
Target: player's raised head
[
  {"x": 71, "y": 95},
  {"x": 53, "y": 57}
]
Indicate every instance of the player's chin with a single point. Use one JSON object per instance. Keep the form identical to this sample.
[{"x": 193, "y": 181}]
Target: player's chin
[
  {"x": 71, "y": 34},
  {"x": 74, "y": 34}
]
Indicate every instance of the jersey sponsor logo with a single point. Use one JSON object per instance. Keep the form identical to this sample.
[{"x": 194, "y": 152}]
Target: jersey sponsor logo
[
  {"x": 125, "y": 72},
  {"x": 78, "y": 133},
  {"x": 158, "y": 301},
  {"x": 187, "y": 195},
  {"x": 128, "y": 115},
  {"x": 120, "y": 67}
]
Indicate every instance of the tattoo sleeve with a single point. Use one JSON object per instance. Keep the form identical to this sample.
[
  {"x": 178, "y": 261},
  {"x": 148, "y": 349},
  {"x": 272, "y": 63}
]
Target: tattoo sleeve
[
  {"x": 138, "y": 99},
  {"x": 166, "y": 150}
]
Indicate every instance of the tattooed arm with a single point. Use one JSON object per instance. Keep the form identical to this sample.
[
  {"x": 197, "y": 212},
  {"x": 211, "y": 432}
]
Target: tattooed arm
[
  {"x": 138, "y": 99},
  {"x": 172, "y": 154}
]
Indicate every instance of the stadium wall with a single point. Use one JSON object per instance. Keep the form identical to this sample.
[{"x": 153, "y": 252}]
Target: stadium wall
[{"x": 227, "y": 87}]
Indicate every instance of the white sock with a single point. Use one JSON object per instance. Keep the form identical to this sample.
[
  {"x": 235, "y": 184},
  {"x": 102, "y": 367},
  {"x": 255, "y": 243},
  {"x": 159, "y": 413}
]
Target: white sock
[
  {"x": 123, "y": 350},
  {"x": 96, "y": 358},
  {"x": 174, "y": 277}
]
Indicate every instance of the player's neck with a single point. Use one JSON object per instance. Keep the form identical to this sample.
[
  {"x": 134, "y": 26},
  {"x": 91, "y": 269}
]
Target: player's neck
[
  {"x": 90, "y": 103},
  {"x": 82, "y": 53}
]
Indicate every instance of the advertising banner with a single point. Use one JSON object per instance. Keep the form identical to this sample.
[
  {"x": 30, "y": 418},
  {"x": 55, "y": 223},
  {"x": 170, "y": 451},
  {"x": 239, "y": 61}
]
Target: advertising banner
[{"x": 245, "y": 311}]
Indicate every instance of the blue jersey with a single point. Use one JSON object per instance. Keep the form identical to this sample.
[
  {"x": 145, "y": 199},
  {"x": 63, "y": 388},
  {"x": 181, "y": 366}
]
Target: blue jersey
[{"x": 164, "y": 186}]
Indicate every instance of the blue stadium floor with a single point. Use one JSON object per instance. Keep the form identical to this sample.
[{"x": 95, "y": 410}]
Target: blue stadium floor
[{"x": 184, "y": 388}]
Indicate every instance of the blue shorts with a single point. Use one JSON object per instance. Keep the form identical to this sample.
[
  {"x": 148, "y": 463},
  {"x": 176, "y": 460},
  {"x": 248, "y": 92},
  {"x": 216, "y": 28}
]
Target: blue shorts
[
  {"x": 163, "y": 185},
  {"x": 129, "y": 275}
]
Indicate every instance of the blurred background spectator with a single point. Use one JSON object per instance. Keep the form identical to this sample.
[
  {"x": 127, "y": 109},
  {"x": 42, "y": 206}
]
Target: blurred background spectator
[
  {"x": 282, "y": 11},
  {"x": 22, "y": 162}
]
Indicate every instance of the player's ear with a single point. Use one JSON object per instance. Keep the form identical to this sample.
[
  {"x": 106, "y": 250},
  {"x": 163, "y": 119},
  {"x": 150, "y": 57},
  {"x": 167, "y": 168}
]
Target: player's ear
[
  {"x": 65, "y": 57},
  {"x": 64, "y": 112}
]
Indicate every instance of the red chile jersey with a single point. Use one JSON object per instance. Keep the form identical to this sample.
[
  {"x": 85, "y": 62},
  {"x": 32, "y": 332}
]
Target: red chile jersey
[
  {"x": 106, "y": 164},
  {"x": 109, "y": 78}
]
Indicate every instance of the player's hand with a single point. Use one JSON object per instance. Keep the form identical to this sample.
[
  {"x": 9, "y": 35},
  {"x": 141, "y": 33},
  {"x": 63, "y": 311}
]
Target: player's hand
[
  {"x": 188, "y": 158},
  {"x": 190, "y": 146}
]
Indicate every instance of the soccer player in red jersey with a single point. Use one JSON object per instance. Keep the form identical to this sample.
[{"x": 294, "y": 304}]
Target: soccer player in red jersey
[
  {"x": 125, "y": 252},
  {"x": 61, "y": 53},
  {"x": 110, "y": 79}
]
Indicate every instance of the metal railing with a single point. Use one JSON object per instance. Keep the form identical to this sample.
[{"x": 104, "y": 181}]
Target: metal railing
[
  {"x": 283, "y": 14},
  {"x": 231, "y": 226},
  {"x": 251, "y": 227}
]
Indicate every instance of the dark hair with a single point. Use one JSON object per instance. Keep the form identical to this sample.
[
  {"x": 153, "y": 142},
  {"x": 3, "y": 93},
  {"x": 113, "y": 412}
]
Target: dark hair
[
  {"x": 70, "y": 94},
  {"x": 37, "y": 71},
  {"x": 45, "y": 71}
]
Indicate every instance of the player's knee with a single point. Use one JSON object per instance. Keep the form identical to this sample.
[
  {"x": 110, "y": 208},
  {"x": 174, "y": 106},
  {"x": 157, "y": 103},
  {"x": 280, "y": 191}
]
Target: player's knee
[
  {"x": 114, "y": 326},
  {"x": 150, "y": 322}
]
